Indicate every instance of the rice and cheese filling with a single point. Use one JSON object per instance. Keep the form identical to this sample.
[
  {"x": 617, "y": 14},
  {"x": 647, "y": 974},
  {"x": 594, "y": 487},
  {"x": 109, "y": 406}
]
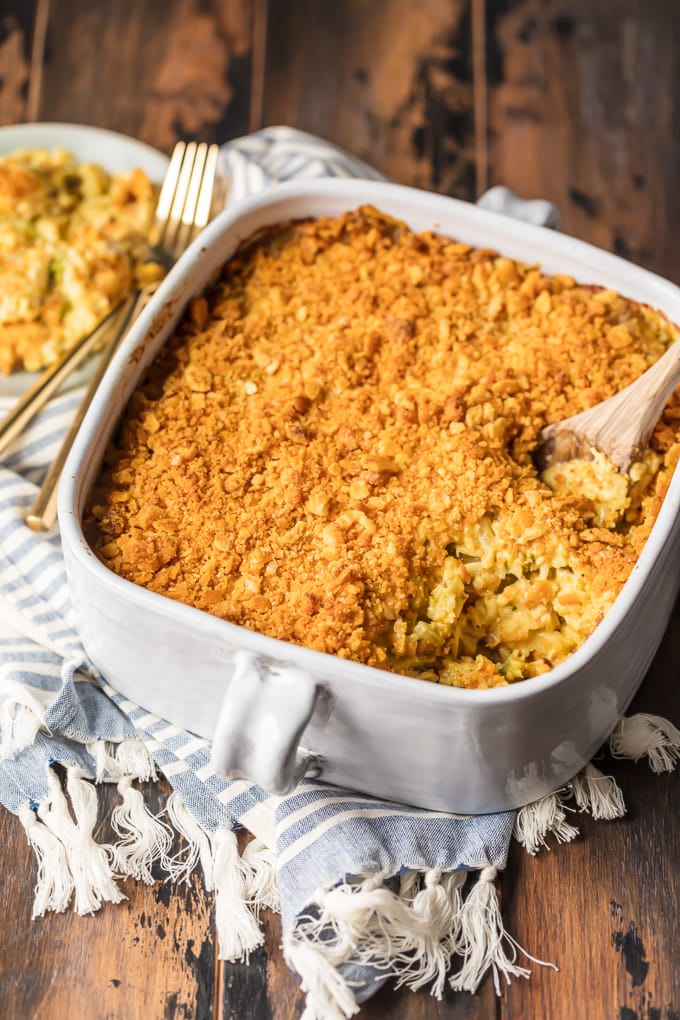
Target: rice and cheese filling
[
  {"x": 335, "y": 449},
  {"x": 73, "y": 240}
]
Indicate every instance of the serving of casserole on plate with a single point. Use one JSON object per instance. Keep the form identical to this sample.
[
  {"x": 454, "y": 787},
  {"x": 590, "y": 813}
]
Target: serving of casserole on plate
[
  {"x": 323, "y": 486},
  {"x": 76, "y": 204}
]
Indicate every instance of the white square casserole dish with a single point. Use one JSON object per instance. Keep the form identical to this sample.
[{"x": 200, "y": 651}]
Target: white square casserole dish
[{"x": 366, "y": 729}]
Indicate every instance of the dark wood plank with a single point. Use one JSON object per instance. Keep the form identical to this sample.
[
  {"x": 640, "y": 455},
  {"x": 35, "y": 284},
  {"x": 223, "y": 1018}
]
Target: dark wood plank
[
  {"x": 584, "y": 110},
  {"x": 264, "y": 989},
  {"x": 391, "y": 82},
  {"x": 606, "y": 908},
  {"x": 150, "y": 958},
  {"x": 158, "y": 71},
  {"x": 406, "y": 1005},
  {"x": 22, "y": 24},
  {"x": 581, "y": 108}
]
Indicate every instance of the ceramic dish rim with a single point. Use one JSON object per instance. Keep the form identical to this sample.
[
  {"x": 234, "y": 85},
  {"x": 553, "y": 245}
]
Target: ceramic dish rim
[
  {"x": 85, "y": 131},
  {"x": 173, "y": 291}
]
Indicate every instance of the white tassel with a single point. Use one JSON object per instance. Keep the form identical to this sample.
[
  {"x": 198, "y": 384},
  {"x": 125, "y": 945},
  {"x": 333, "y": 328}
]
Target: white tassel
[
  {"x": 535, "y": 821},
  {"x": 368, "y": 918},
  {"x": 329, "y": 997},
  {"x": 54, "y": 882},
  {"x": 22, "y": 716},
  {"x": 134, "y": 760},
  {"x": 483, "y": 939},
  {"x": 144, "y": 838},
  {"x": 598, "y": 794},
  {"x": 439, "y": 905},
  {"x": 115, "y": 760},
  {"x": 262, "y": 888},
  {"x": 106, "y": 766},
  {"x": 238, "y": 931},
  {"x": 198, "y": 848},
  {"x": 89, "y": 862},
  {"x": 411, "y": 939},
  {"x": 650, "y": 735}
]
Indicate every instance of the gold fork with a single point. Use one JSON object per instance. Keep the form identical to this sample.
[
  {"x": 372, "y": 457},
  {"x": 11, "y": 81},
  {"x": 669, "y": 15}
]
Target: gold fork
[{"x": 184, "y": 207}]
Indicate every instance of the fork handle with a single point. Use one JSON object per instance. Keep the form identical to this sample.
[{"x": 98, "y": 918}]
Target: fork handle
[
  {"x": 43, "y": 513},
  {"x": 49, "y": 381}
]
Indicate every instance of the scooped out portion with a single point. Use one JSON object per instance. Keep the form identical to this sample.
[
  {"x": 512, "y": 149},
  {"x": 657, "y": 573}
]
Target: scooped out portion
[{"x": 334, "y": 449}]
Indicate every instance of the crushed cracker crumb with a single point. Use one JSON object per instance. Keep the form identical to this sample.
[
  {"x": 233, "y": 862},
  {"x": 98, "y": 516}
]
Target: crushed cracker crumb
[{"x": 360, "y": 480}]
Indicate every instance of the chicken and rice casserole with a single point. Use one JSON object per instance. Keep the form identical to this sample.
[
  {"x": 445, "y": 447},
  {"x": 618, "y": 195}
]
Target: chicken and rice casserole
[
  {"x": 335, "y": 449},
  {"x": 73, "y": 243}
]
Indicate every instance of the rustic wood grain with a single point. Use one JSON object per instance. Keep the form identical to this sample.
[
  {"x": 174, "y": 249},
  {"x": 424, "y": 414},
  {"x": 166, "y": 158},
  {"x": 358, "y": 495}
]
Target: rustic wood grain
[
  {"x": 150, "y": 958},
  {"x": 265, "y": 989},
  {"x": 391, "y": 82},
  {"x": 405, "y": 1005},
  {"x": 606, "y": 908},
  {"x": 159, "y": 71},
  {"x": 20, "y": 54},
  {"x": 584, "y": 111},
  {"x": 577, "y": 102}
]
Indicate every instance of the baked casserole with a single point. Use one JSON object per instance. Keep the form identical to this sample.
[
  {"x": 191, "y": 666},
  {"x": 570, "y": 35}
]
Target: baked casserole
[
  {"x": 73, "y": 243},
  {"x": 334, "y": 449}
]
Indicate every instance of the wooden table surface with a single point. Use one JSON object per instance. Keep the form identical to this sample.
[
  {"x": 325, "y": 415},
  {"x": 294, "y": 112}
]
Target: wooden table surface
[{"x": 576, "y": 101}]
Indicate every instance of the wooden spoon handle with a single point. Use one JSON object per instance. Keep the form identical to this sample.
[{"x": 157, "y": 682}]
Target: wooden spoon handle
[{"x": 621, "y": 426}]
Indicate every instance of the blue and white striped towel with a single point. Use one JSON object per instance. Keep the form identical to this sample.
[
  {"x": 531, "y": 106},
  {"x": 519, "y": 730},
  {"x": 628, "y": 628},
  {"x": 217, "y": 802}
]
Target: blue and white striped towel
[{"x": 367, "y": 889}]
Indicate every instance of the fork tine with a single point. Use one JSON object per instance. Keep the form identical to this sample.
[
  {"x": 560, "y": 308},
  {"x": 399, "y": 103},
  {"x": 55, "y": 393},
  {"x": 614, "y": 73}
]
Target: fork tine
[
  {"x": 174, "y": 217},
  {"x": 168, "y": 189},
  {"x": 192, "y": 201},
  {"x": 194, "y": 185},
  {"x": 193, "y": 188},
  {"x": 206, "y": 195},
  {"x": 184, "y": 206}
]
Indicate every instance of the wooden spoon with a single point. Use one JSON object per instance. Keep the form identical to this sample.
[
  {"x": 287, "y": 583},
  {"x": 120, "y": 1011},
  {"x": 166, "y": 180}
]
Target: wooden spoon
[{"x": 619, "y": 427}]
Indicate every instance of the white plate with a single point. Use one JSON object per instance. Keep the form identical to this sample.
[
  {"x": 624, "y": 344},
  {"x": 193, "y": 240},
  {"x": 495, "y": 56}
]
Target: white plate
[{"x": 116, "y": 153}]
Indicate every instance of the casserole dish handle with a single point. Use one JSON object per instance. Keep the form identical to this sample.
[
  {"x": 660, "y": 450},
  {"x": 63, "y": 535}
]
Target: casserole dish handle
[{"x": 262, "y": 717}]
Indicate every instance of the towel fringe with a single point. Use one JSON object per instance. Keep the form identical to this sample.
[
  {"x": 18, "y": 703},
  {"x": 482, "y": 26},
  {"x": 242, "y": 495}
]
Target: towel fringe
[
  {"x": 106, "y": 766},
  {"x": 143, "y": 837},
  {"x": 116, "y": 759},
  {"x": 88, "y": 862},
  {"x": 534, "y": 822},
  {"x": 328, "y": 996},
  {"x": 237, "y": 928},
  {"x": 411, "y": 937},
  {"x": 599, "y": 795},
  {"x": 439, "y": 903},
  {"x": 181, "y": 867},
  {"x": 243, "y": 885},
  {"x": 262, "y": 888},
  {"x": 409, "y": 885},
  {"x": 134, "y": 759},
  {"x": 484, "y": 940},
  {"x": 22, "y": 716},
  {"x": 650, "y": 736},
  {"x": 54, "y": 881}
]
